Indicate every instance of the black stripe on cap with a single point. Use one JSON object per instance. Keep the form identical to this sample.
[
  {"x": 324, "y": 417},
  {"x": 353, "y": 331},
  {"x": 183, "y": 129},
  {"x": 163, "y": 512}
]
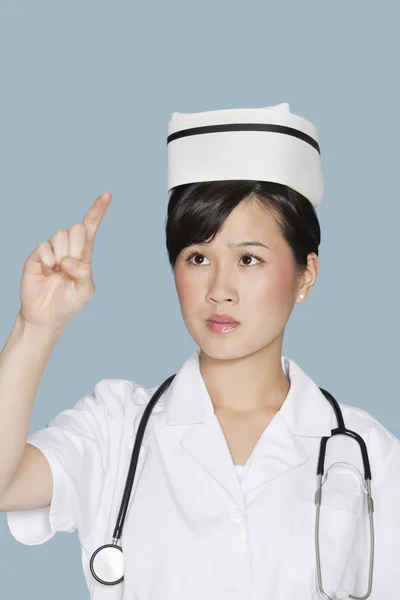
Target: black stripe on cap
[{"x": 245, "y": 127}]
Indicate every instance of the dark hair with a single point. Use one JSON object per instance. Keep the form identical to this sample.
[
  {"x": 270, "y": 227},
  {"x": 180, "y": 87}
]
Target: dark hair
[{"x": 196, "y": 212}]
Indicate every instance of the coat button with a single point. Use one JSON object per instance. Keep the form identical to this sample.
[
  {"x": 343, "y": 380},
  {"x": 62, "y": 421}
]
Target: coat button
[{"x": 236, "y": 515}]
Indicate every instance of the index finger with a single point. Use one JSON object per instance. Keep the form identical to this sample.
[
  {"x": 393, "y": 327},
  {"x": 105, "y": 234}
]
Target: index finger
[{"x": 92, "y": 220}]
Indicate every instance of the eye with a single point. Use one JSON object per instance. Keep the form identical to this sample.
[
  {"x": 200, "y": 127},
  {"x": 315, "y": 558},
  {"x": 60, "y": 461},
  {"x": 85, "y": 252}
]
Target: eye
[
  {"x": 251, "y": 255},
  {"x": 192, "y": 255},
  {"x": 248, "y": 255}
]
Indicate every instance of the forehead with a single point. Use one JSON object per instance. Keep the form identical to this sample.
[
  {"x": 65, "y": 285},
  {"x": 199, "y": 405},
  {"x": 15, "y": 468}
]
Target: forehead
[{"x": 248, "y": 219}]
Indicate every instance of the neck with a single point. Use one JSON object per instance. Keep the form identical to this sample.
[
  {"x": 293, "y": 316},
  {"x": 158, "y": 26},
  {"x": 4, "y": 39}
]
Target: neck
[{"x": 245, "y": 384}]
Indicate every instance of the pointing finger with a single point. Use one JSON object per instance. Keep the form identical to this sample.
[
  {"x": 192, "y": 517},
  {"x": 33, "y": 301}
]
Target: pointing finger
[{"x": 92, "y": 220}]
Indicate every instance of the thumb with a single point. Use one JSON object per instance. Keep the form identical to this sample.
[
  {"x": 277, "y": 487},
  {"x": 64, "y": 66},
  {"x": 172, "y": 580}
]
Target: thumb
[{"x": 76, "y": 269}]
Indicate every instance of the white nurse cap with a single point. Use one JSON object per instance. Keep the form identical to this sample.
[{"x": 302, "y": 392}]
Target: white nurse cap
[{"x": 266, "y": 144}]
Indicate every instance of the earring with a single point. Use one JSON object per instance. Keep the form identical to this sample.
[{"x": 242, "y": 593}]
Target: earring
[{"x": 302, "y": 296}]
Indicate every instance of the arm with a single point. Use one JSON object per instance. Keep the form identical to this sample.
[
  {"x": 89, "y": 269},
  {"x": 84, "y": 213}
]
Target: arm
[{"x": 25, "y": 477}]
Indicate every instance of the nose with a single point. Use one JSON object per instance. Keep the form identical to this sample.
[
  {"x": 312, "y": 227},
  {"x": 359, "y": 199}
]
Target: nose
[
  {"x": 218, "y": 301},
  {"x": 221, "y": 288}
]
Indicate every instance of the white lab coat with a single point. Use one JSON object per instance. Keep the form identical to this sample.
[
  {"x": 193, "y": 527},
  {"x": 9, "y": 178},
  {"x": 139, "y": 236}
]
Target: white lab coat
[{"x": 192, "y": 530}]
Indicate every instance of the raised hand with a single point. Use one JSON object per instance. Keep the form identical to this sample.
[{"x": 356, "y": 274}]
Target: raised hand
[{"x": 57, "y": 279}]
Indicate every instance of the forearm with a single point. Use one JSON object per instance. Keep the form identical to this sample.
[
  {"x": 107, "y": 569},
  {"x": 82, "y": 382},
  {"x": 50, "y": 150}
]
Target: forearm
[{"x": 22, "y": 363}]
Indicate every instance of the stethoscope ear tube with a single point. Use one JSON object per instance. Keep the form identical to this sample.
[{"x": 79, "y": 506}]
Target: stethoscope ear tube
[
  {"x": 341, "y": 429},
  {"x": 135, "y": 456}
]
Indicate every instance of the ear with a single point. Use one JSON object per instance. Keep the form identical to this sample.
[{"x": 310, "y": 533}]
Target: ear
[{"x": 308, "y": 277}]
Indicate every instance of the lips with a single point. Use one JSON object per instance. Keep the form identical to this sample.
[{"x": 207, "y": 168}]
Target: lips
[
  {"x": 222, "y": 328},
  {"x": 223, "y": 319}
]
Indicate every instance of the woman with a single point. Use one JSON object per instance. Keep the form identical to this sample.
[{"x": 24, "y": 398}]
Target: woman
[{"x": 222, "y": 504}]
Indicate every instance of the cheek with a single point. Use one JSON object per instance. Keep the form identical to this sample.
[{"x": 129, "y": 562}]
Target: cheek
[
  {"x": 275, "y": 290},
  {"x": 186, "y": 290}
]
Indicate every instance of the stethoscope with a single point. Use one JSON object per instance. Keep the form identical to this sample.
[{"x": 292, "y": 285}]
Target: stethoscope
[{"x": 107, "y": 564}]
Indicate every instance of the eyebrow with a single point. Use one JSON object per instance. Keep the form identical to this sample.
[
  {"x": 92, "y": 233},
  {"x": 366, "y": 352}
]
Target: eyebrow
[
  {"x": 239, "y": 244},
  {"x": 249, "y": 243}
]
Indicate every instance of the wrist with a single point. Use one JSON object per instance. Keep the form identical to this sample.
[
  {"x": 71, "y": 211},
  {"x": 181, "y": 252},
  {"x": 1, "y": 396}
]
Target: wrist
[{"x": 37, "y": 332}]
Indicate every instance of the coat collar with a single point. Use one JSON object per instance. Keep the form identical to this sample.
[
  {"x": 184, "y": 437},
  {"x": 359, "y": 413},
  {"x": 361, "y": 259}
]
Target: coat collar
[
  {"x": 305, "y": 409},
  {"x": 191, "y": 421}
]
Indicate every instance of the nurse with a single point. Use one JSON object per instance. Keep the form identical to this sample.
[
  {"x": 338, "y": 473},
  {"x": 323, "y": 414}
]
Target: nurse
[{"x": 222, "y": 504}]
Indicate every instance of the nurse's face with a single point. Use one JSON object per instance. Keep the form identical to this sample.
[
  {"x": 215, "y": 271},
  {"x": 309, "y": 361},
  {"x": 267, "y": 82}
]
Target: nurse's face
[{"x": 257, "y": 291}]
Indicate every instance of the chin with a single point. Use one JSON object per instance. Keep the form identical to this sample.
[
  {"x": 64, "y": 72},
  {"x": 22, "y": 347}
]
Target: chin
[{"x": 226, "y": 348}]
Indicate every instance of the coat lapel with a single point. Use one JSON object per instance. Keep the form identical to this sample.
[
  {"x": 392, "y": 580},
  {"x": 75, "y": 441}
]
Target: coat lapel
[
  {"x": 276, "y": 451},
  {"x": 207, "y": 445},
  {"x": 305, "y": 412}
]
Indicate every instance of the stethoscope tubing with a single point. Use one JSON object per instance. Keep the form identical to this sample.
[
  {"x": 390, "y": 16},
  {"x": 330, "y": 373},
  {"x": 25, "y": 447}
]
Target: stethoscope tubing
[{"x": 340, "y": 430}]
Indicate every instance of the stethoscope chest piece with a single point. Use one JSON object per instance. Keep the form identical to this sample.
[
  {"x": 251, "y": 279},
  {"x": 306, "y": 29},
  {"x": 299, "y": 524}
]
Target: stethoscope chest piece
[{"x": 107, "y": 564}]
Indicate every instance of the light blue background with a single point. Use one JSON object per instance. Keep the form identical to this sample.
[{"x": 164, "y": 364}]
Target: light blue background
[{"x": 87, "y": 89}]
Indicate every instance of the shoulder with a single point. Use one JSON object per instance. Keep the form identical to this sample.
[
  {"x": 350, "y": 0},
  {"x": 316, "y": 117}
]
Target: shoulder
[
  {"x": 365, "y": 423},
  {"x": 118, "y": 396},
  {"x": 107, "y": 410},
  {"x": 382, "y": 444}
]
